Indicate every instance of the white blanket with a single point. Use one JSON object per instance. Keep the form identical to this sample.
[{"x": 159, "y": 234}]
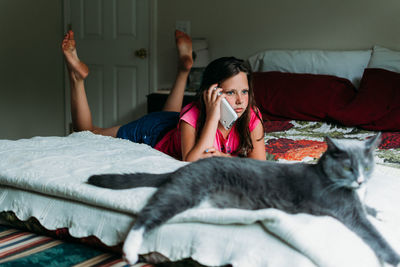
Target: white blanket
[{"x": 45, "y": 177}]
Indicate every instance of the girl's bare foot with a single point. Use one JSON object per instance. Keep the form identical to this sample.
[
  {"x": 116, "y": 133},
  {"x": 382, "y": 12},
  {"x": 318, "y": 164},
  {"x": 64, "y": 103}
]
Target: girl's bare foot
[
  {"x": 75, "y": 66},
  {"x": 184, "y": 45}
]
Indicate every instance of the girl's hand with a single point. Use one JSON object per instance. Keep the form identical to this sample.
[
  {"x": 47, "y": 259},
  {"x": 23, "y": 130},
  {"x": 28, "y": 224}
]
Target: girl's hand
[
  {"x": 212, "y": 152},
  {"x": 212, "y": 99},
  {"x": 194, "y": 148}
]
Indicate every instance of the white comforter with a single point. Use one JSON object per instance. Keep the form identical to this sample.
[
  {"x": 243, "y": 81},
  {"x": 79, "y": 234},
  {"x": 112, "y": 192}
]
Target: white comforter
[{"x": 45, "y": 177}]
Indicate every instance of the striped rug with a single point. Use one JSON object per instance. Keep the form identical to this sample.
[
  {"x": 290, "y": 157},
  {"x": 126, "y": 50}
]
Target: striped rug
[{"x": 20, "y": 248}]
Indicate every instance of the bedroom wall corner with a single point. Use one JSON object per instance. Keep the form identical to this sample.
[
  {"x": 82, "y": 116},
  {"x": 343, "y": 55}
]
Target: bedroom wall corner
[{"x": 31, "y": 69}]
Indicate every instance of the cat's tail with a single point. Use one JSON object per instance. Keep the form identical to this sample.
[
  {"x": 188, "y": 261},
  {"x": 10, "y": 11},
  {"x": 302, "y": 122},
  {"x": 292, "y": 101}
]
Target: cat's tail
[{"x": 124, "y": 181}]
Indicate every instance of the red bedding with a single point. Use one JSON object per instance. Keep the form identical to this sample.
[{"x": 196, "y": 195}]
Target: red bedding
[
  {"x": 377, "y": 104},
  {"x": 312, "y": 97},
  {"x": 309, "y": 97}
]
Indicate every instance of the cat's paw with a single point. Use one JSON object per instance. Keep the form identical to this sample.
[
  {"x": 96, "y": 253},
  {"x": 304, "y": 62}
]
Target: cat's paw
[
  {"x": 130, "y": 258},
  {"x": 380, "y": 216},
  {"x": 130, "y": 253},
  {"x": 396, "y": 261},
  {"x": 132, "y": 245},
  {"x": 377, "y": 214}
]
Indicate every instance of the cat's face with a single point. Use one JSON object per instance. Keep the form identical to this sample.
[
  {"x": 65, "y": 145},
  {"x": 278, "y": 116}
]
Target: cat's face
[{"x": 350, "y": 163}]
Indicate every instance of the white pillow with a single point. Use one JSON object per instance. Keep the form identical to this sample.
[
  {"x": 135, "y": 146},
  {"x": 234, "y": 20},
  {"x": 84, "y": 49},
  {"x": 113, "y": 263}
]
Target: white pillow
[
  {"x": 344, "y": 64},
  {"x": 384, "y": 58}
]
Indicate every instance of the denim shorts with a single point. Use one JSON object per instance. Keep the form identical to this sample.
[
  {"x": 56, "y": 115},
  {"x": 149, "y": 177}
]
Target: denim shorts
[{"x": 150, "y": 128}]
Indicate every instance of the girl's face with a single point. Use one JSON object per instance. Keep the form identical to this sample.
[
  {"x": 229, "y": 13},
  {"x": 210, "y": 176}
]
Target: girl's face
[{"x": 236, "y": 90}]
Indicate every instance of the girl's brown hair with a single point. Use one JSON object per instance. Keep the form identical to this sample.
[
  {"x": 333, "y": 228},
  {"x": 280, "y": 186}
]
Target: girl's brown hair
[{"x": 216, "y": 72}]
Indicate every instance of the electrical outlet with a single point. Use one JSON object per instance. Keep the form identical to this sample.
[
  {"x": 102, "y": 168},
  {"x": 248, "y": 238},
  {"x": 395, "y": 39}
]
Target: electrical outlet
[{"x": 183, "y": 25}]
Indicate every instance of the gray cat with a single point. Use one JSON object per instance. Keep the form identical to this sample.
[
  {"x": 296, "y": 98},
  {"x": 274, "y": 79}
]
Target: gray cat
[{"x": 326, "y": 188}]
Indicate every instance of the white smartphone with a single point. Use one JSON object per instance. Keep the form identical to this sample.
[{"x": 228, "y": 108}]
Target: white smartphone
[{"x": 228, "y": 115}]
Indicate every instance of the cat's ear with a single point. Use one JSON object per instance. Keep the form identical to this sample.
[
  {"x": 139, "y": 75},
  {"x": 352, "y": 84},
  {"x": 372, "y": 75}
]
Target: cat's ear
[
  {"x": 373, "y": 142},
  {"x": 333, "y": 145}
]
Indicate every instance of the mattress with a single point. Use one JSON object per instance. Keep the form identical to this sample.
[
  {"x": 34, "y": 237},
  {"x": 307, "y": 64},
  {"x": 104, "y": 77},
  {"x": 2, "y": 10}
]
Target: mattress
[{"x": 45, "y": 178}]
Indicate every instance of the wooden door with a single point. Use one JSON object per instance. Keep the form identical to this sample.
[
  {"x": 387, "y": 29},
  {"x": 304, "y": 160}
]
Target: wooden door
[{"x": 108, "y": 33}]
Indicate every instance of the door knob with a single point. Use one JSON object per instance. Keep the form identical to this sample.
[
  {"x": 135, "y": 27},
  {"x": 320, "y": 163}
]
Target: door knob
[{"x": 141, "y": 53}]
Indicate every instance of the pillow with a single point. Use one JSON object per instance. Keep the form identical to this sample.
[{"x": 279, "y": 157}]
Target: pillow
[
  {"x": 377, "y": 104},
  {"x": 345, "y": 64},
  {"x": 384, "y": 58},
  {"x": 283, "y": 96}
]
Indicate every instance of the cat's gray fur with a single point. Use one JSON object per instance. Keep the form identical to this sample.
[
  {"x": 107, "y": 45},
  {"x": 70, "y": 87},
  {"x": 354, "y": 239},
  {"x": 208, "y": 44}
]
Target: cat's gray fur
[{"x": 326, "y": 188}]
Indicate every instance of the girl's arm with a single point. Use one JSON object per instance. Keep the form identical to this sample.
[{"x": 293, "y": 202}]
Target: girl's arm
[
  {"x": 192, "y": 150},
  {"x": 257, "y": 138}
]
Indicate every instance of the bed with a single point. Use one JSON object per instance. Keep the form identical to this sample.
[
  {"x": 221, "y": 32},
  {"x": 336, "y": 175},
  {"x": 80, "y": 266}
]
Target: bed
[{"x": 45, "y": 177}]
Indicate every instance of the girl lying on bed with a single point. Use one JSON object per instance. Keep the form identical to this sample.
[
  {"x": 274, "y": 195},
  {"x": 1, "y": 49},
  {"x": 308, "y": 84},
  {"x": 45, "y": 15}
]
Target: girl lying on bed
[{"x": 190, "y": 133}]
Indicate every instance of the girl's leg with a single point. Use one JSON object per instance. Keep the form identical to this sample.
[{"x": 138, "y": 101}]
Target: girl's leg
[
  {"x": 78, "y": 71},
  {"x": 184, "y": 46}
]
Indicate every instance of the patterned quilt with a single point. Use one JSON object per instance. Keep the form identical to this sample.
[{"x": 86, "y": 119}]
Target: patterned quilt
[{"x": 304, "y": 141}]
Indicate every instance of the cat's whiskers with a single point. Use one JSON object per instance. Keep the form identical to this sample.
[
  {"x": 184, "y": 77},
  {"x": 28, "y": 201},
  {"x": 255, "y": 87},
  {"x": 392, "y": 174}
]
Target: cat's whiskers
[
  {"x": 336, "y": 184},
  {"x": 330, "y": 188}
]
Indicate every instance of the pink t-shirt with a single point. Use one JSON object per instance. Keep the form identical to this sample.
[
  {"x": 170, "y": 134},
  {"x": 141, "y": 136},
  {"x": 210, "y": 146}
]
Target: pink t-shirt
[{"x": 171, "y": 142}]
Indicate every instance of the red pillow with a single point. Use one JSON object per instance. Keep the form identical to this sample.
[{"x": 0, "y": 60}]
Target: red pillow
[
  {"x": 312, "y": 97},
  {"x": 377, "y": 104}
]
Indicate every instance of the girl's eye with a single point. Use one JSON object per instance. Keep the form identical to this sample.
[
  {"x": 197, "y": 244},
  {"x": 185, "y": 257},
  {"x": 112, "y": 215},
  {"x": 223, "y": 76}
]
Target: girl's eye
[
  {"x": 245, "y": 91},
  {"x": 229, "y": 93}
]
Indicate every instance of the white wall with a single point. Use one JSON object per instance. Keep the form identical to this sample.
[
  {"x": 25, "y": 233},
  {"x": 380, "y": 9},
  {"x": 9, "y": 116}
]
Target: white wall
[
  {"x": 31, "y": 64},
  {"x": 31, "y": 69},
  {"x": 242, "y": 28}
]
